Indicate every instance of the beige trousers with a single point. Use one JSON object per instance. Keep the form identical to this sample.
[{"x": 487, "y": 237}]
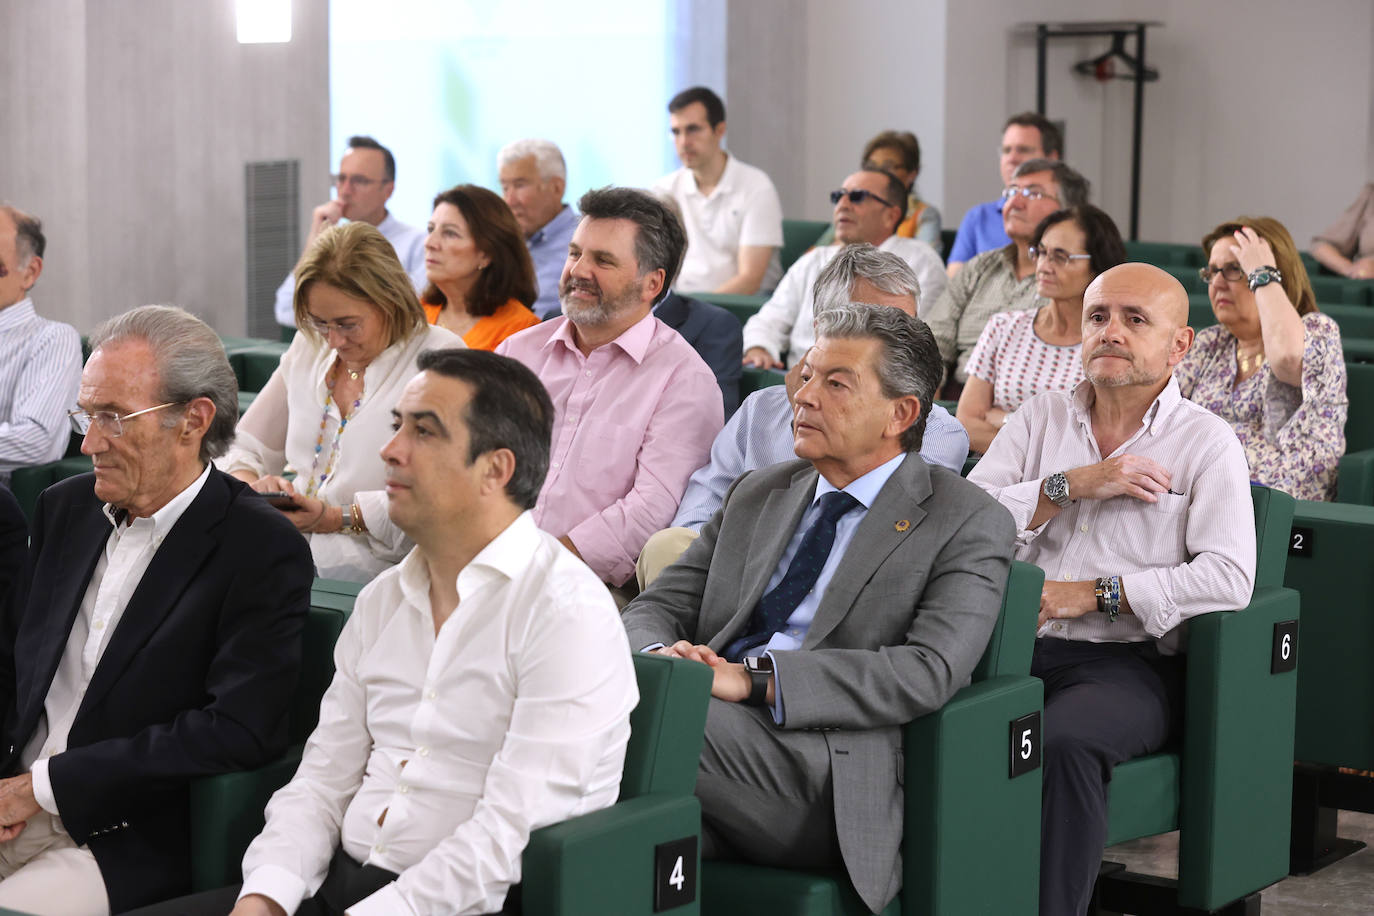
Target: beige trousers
[
  {"x": 42, "y": 871},
  {"x": 661, "y": 551}
]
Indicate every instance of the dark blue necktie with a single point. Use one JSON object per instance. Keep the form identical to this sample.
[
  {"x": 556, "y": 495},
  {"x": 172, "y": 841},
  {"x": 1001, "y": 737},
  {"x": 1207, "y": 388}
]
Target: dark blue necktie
[{"x": 776, "y": 606}]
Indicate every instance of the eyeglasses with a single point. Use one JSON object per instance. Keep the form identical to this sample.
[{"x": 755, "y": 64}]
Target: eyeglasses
[
  {"x": 110, "y": 423},
  {"x": 1231, "y": 272},
  {"x": 1030, "y": 193},
  {"x": 857, "y": 196},
  {"x": 349, "y": 329},
  {"x": 358, "y": 181},
  {"x": 1057, "y": 256}
]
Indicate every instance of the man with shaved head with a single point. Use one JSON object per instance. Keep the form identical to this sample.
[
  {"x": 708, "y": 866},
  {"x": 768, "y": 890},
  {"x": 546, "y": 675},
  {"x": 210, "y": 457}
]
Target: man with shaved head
[{"x": 1136, "y": 504}]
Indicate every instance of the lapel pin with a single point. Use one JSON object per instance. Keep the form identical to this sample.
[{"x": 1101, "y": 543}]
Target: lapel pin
[{"x": 902, "y": 525}]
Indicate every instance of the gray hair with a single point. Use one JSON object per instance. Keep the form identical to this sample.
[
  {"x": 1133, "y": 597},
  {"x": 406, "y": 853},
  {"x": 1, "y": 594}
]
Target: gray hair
[
  {"x": 659, "y": 236},
  {"x": 548, "y": 158},
  {"x": 190, "y": 364},
  {"x": 1073, "y": 187},
  {"x": 910, "y": 364},
  {"x": 861, "y": 261},
  {"x": 28, "y": 235}
]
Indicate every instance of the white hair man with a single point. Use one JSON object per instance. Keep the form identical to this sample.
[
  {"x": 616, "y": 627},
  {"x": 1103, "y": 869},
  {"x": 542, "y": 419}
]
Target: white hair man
[{"x": 533, "y": 180}]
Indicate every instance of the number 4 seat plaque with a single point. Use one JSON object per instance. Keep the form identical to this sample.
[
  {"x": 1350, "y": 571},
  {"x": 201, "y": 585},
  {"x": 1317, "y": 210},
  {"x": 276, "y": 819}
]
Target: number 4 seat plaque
[{"x": 675, "y": 873}]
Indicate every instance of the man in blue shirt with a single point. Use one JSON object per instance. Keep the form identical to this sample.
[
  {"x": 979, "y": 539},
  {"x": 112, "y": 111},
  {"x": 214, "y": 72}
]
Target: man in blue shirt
[
  {"x": 1025, "y": 136},
  {"x": 533, "y": 179}
]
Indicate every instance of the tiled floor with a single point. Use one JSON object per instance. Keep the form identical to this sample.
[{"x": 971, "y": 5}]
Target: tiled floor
[{"x": 1343, "y": 889}]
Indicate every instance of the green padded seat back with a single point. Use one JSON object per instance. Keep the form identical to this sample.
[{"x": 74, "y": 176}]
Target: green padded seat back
[
  {"x": 1013, "y": 637},
  {"x": 330, "y": 605},
  {"x": 666, "y": 726},
  {"x": 742, "y": 307},
  {"x": 1188, "y": 276},
  {"x": 1165, "y": 254},
  {"x": 1273, "y": 521},
  {"x": 733, "y": 887},
  {"x": 753, "y": 379},
  {"x": 1336, "y": 684},
  {"x": 1200, "y": 314},
  {"x": 797, "y": 236},
  {"x": 1339, "y": 290},
  {"x": 1359, "y": 421}
]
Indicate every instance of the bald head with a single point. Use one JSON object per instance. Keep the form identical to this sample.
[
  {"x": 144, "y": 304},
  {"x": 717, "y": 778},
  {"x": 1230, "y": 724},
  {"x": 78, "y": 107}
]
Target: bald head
[
  {"x": 1145, "y": 284},
  {"x": 1135, "y": 326}
]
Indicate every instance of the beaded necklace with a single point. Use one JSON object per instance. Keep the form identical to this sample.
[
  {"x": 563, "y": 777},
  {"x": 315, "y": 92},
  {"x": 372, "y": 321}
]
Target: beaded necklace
[{"x": 316, "y": 481}]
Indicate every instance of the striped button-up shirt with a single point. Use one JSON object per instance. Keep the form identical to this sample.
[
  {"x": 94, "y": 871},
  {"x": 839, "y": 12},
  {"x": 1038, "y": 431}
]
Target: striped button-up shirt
[
  {"x": 985, "y": 286},
  {"x": 1191, "y": 552},
  {"x": 40, "y": 372}
]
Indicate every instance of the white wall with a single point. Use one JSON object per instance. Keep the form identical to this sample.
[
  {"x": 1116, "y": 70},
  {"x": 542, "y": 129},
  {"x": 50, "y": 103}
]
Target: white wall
[
  {"x": 1263, "y": 106},
  {"x": 127, "y": 124}
]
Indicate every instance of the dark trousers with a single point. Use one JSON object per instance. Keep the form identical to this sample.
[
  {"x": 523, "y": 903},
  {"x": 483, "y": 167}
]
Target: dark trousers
[
  {"x": 1105, "y": 703},
  {"x": 346, "y": 883}
]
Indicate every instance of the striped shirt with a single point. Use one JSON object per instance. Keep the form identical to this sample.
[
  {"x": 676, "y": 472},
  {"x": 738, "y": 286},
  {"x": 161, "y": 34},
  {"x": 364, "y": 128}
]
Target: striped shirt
[
  {"x": 40, "y": 372},
  {"x": 985, "y": 286},
  {"x": 1190, "y": 553}
]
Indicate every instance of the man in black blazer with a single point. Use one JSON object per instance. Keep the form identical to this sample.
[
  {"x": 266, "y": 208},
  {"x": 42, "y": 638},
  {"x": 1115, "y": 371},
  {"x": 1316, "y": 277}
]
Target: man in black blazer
[
  {"x": 715, "y": 334},
  {"x": 155, "y": 637}
]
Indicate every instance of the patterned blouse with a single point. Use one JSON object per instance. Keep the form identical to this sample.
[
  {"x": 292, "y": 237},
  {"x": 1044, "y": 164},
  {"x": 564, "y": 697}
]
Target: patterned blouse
[
  {"x": 1293, "y": 437},
  {"x": 1012, "y": 358}
]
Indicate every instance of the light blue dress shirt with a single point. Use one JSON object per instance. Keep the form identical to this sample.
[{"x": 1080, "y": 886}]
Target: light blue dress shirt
[
  {"x": 760, "y": 434},
  {"x": 981, "y": 230},
  {"x": 549, "y": 252}
]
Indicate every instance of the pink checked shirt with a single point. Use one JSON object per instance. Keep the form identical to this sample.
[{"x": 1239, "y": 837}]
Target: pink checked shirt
[{"x": 633, "y": 421}]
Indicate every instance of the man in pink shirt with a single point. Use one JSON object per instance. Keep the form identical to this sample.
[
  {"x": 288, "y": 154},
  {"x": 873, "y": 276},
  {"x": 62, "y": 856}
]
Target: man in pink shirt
[{"x": 636, "y": 407}]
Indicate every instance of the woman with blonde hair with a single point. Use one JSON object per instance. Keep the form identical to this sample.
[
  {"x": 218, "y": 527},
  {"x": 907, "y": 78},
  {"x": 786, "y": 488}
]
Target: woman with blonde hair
[
  {"x": 326, "y": 410},
  {"x": 1273, "y": 366}
]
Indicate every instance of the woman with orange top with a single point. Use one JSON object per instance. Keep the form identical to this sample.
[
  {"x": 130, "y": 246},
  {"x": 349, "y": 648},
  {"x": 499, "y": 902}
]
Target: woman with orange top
[{"x": 481, "y": 279}]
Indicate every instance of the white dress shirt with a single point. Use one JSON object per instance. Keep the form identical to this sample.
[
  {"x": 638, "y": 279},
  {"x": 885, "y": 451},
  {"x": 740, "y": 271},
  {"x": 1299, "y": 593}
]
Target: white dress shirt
[
  {"x": 514, "y": 716},
  {"x": 409, "y": 242},
  {"x": 1191, "y": 552},
  {"x": 282, "y": 426},
  {"x": 40, "y": 372},
  {"x": 786, "y": 322},
  {"x": 128, "y": 551}
]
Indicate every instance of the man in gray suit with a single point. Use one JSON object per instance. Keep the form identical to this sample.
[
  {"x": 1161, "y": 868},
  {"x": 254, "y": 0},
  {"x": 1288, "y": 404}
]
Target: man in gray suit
[{"x": 836, "y": 598}]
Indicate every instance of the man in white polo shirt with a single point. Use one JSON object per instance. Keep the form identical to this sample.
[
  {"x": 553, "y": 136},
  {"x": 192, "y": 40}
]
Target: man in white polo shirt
[{"x": 730, "y": 210}]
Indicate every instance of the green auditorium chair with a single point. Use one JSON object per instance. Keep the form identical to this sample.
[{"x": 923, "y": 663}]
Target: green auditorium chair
[
  {"x": 742, "y": 307},
  {"x": 1188, "y": 276},
  {"x": 972, "y": 837},
  {"x": 253, "y": 360},
  {"x": 602, "y": 862},
  {"x": 1227, "y": 789},
  {"x": 1329, "y": 563},
  {"x": 1342, "y": 291},
  {"x": 1355, "y": 473},
  {"x": 798, "y": 235},
  {"x": 753, "y": 379},
  {"x": 1166, "y": 254}
]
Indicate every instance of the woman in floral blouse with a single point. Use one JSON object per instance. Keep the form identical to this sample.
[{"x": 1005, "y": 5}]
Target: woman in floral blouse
[{"x": 1273, "y": 366}]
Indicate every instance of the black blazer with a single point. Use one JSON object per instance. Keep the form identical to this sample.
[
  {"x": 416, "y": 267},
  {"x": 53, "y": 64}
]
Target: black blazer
[
  {"x": 196, "y": 679},
  {"x": 14, "y": 543},
  {"x": 715, "y": 334}
]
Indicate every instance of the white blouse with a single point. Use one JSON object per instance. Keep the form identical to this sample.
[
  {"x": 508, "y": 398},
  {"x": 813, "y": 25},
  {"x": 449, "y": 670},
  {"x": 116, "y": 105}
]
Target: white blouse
[{"x": 283, "y": 425}]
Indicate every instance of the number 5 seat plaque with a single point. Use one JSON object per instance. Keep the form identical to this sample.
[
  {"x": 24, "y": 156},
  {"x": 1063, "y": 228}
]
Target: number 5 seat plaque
[{"x": 1025, "y": 744}]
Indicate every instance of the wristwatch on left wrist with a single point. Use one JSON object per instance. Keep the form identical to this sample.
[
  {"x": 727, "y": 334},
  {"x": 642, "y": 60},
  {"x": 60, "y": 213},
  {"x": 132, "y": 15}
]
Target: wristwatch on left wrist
[
  {"x": 760, "y": 669},
  {"x": 1262, "y": 276},
  {"x": 1056, "y": 489}
]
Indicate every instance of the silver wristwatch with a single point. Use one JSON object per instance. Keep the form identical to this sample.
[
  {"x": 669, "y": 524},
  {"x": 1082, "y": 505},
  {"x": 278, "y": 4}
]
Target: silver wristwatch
[{"x": 1056, "y": 489}]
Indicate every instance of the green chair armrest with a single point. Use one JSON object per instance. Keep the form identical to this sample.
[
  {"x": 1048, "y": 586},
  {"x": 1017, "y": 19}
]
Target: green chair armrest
[
  {"x": 603, "y": 862},
  {"x": 1355, "y": 478},
  {"x": 1238, "y": 754},
  {"x": 964, "y": 811},
  {"x": 227, "y": 813}
]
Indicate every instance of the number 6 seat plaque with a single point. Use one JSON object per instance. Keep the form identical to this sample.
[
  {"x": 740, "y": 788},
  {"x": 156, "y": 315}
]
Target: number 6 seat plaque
[
  {"x": 1025, "y": 744},
  {"x": 1285, "y": 647}
]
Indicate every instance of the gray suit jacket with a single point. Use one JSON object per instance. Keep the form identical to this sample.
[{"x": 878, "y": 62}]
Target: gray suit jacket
[{"x": 918, "y": 592}]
